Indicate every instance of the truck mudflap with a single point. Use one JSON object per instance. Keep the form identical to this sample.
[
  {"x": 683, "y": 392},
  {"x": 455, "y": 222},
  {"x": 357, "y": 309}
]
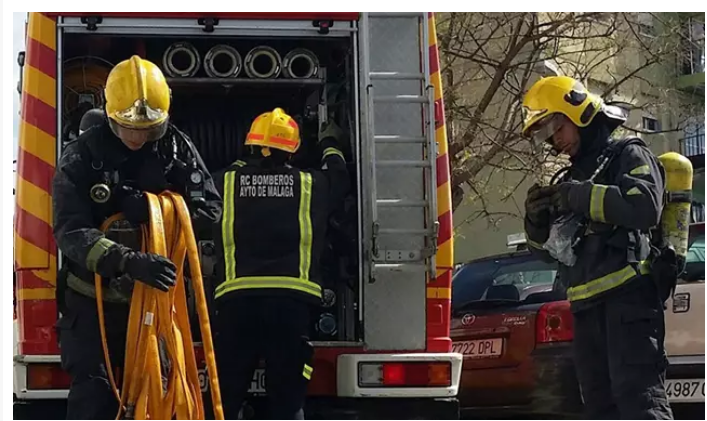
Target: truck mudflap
[{"x": 423, "y": 375}]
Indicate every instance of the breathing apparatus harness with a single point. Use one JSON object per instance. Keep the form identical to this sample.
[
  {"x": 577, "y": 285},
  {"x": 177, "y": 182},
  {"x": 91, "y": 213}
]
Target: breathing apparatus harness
[
  {"x": 665, "y": 264},
  {"x": 179, "y": 152}
]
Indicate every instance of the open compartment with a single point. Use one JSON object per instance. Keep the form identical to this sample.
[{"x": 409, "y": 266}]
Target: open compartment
[{"x": 219, "y": 85}]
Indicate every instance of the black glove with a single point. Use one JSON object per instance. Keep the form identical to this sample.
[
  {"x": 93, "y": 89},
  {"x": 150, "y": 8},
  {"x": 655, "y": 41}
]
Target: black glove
[
  {"x": 537, "y": 205},
  {"x": 133, "y": 204},
  {"x": 150, "y": 269},
  {"x": 330, "y": 130},
  {"x": 560, "y": 197}
]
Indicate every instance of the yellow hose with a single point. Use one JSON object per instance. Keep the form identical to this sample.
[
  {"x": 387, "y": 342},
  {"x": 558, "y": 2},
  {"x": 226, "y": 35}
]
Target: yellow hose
[{"x": 162, "y": 317}]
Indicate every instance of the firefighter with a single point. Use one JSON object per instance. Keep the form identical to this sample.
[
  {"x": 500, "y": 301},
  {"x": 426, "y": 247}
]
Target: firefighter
[
  {"x": 271, "y": 240},
  {"x": 618, "y": 311},
  {"x": 104, "y": 172},
  {"x": 92, "y": 117}
]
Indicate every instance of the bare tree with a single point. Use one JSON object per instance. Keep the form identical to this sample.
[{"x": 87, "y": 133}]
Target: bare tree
[{"x": 489, "y": 60}]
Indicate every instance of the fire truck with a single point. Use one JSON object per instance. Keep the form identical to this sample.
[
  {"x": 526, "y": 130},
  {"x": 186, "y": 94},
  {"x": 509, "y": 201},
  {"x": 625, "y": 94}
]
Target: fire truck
[{"x": 382, "y": 337}]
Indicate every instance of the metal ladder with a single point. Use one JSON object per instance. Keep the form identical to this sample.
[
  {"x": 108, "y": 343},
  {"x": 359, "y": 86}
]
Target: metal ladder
[{"x": 388, "y": 80}]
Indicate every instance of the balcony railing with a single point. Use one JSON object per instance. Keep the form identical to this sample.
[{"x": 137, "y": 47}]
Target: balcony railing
[
  {"x": 693, "y": 61},
  {"x": 693, "y": 47},
  {"x": 693, "y": 145}
]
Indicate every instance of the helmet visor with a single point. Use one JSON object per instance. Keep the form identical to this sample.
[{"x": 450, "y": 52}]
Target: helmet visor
[
  {"x": 135, "y": 137},
  {"x": 543, "y": 130},
  {"x": 140, "y": 115}
]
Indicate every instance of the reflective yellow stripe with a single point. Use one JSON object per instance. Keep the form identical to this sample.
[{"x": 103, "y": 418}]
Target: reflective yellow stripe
[
  {"x": 228, "y": 225},
  {"x": 305, "y": 226},
  {"x": 240, "y": 163},
  {"x": 596, "y": 203},
  {"x": 633, "y": 192},
  {"x": 35, "y": 200},
  {"x": 439, "y": 292},
  {"x": 534, "y": 244},
  {"x": 38, "y": 143},
  {"x": 641, "y": 170},
  {"x": 109, "y": 294},
  {"x": 307, "y": 372},
  {"x": 605, "y": 283},
  {"x": 43, "y": 29},
  {"x": 97, "y": 251},
  {"x": 39, "y": 85},
  {"x": 258, "y": 282},
  {"x": 332, "y": 151},
  {"x": 24, "y": 294}
]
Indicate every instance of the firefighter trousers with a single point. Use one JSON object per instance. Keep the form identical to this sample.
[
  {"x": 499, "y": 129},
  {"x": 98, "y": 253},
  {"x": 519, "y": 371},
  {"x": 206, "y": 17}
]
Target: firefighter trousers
[
  {"x": 272, "y": 328},
  {"x": 619, "y": 355},
  {"x": 90, "y": 393}
]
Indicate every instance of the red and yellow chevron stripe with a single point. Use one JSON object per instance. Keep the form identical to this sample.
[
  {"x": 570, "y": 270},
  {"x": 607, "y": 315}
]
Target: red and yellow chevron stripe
[
  {"x": 35, "y": 251},
  {"x": 439, "y": 290}
]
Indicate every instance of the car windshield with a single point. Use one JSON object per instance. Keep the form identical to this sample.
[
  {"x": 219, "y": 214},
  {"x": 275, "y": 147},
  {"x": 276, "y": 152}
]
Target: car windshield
[
  {"x": 508, "y": 278},
  {"x": 695, "y": 267}
]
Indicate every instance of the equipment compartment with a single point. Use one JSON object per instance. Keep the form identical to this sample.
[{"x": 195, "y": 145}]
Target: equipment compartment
[{"x": 314, "y": 79}]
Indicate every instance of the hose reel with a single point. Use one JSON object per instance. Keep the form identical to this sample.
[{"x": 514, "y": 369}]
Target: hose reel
[
  {"x": 300, "y": 63},
  {"x": 223, "y": 61},
  {"x": 84, "y": 80},
  {"x": 181, "y": 59},
  {"x": 263, "y": 62}
]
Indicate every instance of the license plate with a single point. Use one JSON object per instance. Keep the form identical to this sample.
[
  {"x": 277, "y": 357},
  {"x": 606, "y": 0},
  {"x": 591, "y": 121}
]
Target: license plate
[
  {"x": 687, "y": 390},
  {"x": 479, "y": 348},
  {"x": 257, "y": 385}
]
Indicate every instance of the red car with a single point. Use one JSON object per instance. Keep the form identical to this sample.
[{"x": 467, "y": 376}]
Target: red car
[
  {"x": 511, "y": 321},
  {"x": 515, "y": 332}
]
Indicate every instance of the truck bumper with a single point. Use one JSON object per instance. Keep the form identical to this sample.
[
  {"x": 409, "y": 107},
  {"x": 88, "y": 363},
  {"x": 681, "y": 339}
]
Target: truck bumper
[
  {"x": 39, "y": 409},
  {"x": 321, "y": 408},
  {"x": 328, "y": 408}
]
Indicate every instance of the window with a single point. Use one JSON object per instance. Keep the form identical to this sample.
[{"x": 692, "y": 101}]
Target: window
[
  {"x": 692, "y": 49},
  {"x": 646, "y": 30},
  {"x": 651, "y": 124},
  {"x": 695, "y": 267},
  {"x": 698, "y": 212},
  {"x": 524, "y": 272},
  {"x": 525, "y": 277}
]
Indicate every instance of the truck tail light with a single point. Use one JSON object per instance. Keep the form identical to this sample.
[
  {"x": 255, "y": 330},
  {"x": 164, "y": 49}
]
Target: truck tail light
[
  {"x": 405, "y": 374},
  {"x": 46, "y": 377},
  {"x": 554, "y": 323}
]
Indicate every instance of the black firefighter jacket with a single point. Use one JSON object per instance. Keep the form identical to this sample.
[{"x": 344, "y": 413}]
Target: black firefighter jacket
[
  {"x": 98, "y": 156},
  {"x": 621, "y": 207},
  {"x": 274, "y": 225}
]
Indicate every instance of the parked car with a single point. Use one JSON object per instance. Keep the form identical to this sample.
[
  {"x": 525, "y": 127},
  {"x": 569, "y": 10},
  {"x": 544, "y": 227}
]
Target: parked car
[
  {"x": 511, "y": 321},
  {"x": 685, "y": 334}
]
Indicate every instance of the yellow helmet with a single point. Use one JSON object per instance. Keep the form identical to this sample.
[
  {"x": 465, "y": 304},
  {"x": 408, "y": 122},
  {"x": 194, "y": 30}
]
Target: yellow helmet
[
  {"x": 563, "y": 95},
  {"x": 137, "y": 100},
  {"x": 274, "y": 129}
]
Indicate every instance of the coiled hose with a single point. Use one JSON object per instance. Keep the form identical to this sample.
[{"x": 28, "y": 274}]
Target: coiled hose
[
  {"x": 300, "y": 63},
  {"x": 263, "y": 62},
  {"x": 159, "y": 342},
  {"x": 181, "y": 59},
  {"x": 223, "y": 61}
]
